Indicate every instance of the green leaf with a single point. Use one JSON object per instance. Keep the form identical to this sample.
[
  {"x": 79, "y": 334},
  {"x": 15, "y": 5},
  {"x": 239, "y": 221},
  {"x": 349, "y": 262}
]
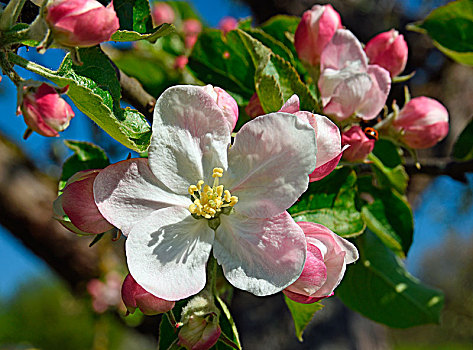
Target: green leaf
[
  {"x": 95, "y": 90},
  {"x": 302, "y": 314},
  {"x": 282, "y": 28},
  {"x": 129, "y": 35},
  {"x": 86, "y": 156},
  {"x": 227, "y": 324},
  {"x": 331, "y": 202},
  {"x": 134, "y": 15},
  {"x": 275, "y": 45},
  {"x": 284, "y": 77},
  {"x": 379, "y": 287},
  {"x": 451, "y": 28},
  {"x": 388, "y": 177},
  {"x": 463, "y": 149},
  {"x": 223, "y": 61},
  {"x": 387, "y": 152},
  {"x": 388, "y": 215}
]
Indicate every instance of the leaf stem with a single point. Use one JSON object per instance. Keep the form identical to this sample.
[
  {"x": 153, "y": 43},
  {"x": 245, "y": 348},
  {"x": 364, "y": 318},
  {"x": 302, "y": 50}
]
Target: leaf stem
[
  {"x": 31, "y": 66},
  {"x": 8, "y": 69}
]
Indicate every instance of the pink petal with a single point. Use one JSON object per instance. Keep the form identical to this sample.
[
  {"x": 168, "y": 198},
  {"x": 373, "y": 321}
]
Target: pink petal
[
  {"x": 376, "y": 97},
  {"x": 269, "y": 163},
  {"x": 190, "y": 137},
  {"x": 291, "y": 106},
  {"x": 127, "y": 192},
  {"x": 167, "y": 253},
  {"x": 262, "y": 256}
]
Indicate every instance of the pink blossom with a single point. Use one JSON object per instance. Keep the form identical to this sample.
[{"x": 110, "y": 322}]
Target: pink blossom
[
  {"x": 162, "y": 13},
  {"x": 44, "y": 110},
  {"x": 360, "y": 144},
  {"x": 225, "y": 102},
  {"x": 77, "y": 202},
  {"x": 81, "y": 23},
  {"x": 239, "y": 198},
  {"x": 348, "y": 85},
  {"x": 134, "y": 296},
  {"x": 314, "y": 32},
  {"x": 422, "y": 122},
  {"x": 191, "y": 29},
  {"x": 327, "y": 257},
  {"x": 180, "y": 62},
  {"x": 227, "y": 24},
  {"x": 105, "y": 294},
  {"x": 388, "y": 50}
]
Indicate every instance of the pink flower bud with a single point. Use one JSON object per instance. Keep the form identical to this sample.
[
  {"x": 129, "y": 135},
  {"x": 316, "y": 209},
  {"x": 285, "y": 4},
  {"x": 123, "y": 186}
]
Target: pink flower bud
[
  {"x": 81, "y": 23},
  {"x": 180, "y": 62},
  {"x": 200, "y": 332},
  {"x": 254, "y": 108},
  {"x": 388, "y": 50},
  {"x": 360, "y": 144},
  {"x": 44, "y": 110},
  {"x": 227, "y": 24},
  {"x": 162, "y": 13},
  {"x": 422, "y": 122},
  {"x": 225, "y": 102},
  {"x": 78, "y": 203},
  {"x": 105, "y": 294},
  {"x": 327, "y": 257},
  {"x": 191, "y": 29},
  {"x": 134, "y": 296},
  {"x": 315, "y": 30}
]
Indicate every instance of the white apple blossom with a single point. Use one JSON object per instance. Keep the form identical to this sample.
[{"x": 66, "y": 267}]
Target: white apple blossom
[{"x": 198, "y": 195}]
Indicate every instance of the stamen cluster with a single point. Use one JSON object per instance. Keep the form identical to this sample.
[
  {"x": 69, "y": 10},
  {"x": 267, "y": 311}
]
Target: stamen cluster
[{"x": 210, "y": 201}]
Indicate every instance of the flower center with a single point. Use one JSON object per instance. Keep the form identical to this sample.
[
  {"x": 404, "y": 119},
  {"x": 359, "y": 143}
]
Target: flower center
[{"x": 210, "y": 201}]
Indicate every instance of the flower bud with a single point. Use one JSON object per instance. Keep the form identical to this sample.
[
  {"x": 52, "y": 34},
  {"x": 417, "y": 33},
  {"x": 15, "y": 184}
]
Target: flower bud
[
  {"x": 162, "y": 13},
  {"x": 388, "y": 50},
  {"x": 360, "y": 144},
  {"x": 44, "y": 110},
  {"x": 327, "y": 257},
  {"x": 254, "y": 108},
  {"x": 78, "y": 203},
  {"x": 134, "y": 296},
  {"x": 225, "y": 102},
  {"x": 314, "y": 31},
  {"x": 81, "y": 23},
  {"x": 227, "y": 24},
  {"x": 105, "y": 294},
  {"x": 191, "y": 29},
  {"x": 422, "y": 122},
  {"x": 200, "y": 332},
  {"x": 180, "y": 62}
]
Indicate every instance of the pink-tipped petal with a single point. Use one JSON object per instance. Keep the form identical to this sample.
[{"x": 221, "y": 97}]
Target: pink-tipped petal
[
  {"x": 167, "y": 253},
  {"x": 268, "y": 170},
  {"x": 292, "y": 105},
  {"x": 376, "y": 97},
  {"x": 262, "y": 256}
]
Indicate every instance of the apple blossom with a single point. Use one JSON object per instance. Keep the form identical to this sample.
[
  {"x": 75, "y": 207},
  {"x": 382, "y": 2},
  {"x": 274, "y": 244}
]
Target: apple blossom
[
  {"x": 315, "y": 30},
  {"x": 227, "y": 24},
  {"x": 422, "y": 122},
  {"x": 360, "y": 144},
  {"x": 81, "y": 23},
  {"x": 191, "y": 28},
  {"x": 105, "y": 294},
  {"x": 327, "y": 257},
  {"x": 180, "y": 62},
  {"x": 347, "y": 84},
  {"x": 225, "y": 102},
  {"x": 134, "y": 296},
  {"x": 162, "y": 13},
  {"x": 44, "y": 110},
  {"x": 388, "y": 50},
  {"x": 196, "y": 194}
]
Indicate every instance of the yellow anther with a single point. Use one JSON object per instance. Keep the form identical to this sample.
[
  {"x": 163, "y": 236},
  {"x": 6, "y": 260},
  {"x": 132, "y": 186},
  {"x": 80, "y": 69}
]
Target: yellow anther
[
  {"x": 192, "y": 189},
  {"x": 219, "y": 191},
  {"x": 192, "y": 208},
  {"x": 199, "y": 184},
  {"x": 233, "y": 200},
  {"x": 227, "y": 196},
  {"x": 218, "y": 172}
]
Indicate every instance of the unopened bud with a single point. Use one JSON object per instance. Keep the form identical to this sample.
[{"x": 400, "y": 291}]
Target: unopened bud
[
  {"x": 360, "y": 144},
  {"x": 225, "y": 102},
  {"x": 162, "y": 13}
]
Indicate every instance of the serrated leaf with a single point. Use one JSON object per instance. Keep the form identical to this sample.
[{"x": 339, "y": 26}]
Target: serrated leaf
[
  {"x": 86, "y": 156},
  {"x": 379, "y": 287},
  {"x": 451, "y": 28},
  {"x": 134, "y": 15},
  {"x": 279, "y": 26},
  {"x": 276, "y": 46},
  {"x": 395, "y": 177},
  {"x": 129, "y": 35},
  {"x": 331, "y": 202},
  {"x": 463, "y": 149},
  {"x": 302, "y": 314},
  {"x": 388, "y": 215},
  {"x": 95, "y": 90}
]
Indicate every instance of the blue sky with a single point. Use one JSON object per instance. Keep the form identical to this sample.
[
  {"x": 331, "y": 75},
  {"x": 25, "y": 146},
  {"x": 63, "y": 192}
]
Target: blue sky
[{"x": 441, "y": 202}]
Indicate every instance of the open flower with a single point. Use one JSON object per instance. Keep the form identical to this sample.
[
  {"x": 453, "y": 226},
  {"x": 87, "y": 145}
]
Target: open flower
[{"x": 196, "y": 194}]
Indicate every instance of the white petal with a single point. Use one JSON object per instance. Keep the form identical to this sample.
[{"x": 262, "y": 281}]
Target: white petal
[
  {"x": 269, "y": 162},
  {"x": 343, "y": 50},
  {"x": 262, "y": 256},
  {"x": 190, "y": 137},
  {"x": 127, "y": 192},
  {"x": 167, "y": 253}
]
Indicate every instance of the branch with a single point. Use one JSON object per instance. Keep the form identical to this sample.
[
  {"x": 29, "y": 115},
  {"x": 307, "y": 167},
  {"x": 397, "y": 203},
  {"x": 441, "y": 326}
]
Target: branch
[
  {"x": 441, "y": 166},
  {"x": 134, "y": 94},
  {"x": 26, "y": 197}
]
